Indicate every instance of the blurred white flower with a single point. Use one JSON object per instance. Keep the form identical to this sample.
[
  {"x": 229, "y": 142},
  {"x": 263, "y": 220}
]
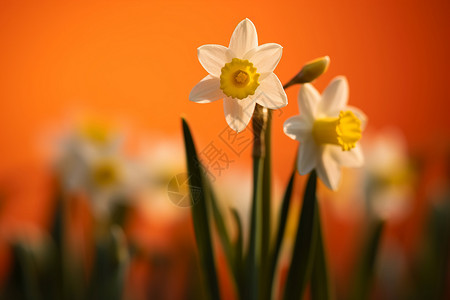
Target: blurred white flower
[
  {"x": 384, "y": 187},
  {"x": 388, "y": 174},
  {"x": 91, "y": 161},
  {"x": 328, "y": 131},
  {"x": 162, "y": 160},
  {"x": 242, "y": 75}
]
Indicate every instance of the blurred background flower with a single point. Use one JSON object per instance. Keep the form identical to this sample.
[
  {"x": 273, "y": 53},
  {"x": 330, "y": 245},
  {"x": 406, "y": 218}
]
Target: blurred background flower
[
  {"x": 389, "y": 175},
  {"x": 103, "y": 188},
  {"x": 91, "y": 161}
]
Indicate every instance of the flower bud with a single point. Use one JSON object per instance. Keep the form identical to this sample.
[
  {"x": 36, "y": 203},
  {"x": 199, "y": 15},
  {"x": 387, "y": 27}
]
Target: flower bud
[{"x": 310, "y": 71}]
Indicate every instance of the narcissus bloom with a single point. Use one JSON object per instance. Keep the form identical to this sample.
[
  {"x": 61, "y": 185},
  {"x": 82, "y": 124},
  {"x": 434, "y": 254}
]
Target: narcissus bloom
[
  {"x": 91, "y": 162},
  {"x": 389, "y": 176},
  {"x": 328, "y": 131},
  {"x": 242, "y": 75}
]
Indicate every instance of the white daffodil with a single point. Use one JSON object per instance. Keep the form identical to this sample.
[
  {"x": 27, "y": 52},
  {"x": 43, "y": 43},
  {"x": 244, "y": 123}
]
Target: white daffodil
[
  {"x": 91, "y": 162},
  {"x": 328, "y": 131},
  {"x": 242, "y": 75},
  {"x": 389, "y": 176}
]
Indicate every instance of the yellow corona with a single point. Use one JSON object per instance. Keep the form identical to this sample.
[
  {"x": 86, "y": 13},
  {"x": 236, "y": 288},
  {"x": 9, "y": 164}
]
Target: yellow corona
[
  {"x": 343, "y": 131},
  {"x": 239, "y": 79},
  {"x": 106, "y": 173}
]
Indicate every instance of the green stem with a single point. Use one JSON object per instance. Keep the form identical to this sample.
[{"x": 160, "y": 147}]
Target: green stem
[
  {"x": 266, "y": 209},
  {"x": 255, "y": 252},
  {"x": 266, "y": 194}
]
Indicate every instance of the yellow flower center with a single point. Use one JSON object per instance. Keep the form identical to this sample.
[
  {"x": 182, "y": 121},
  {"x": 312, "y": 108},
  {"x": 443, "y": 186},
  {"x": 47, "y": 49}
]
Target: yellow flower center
[
  {"x": 95, "y": 133},
  {"x": 343, "y": 131},
  {"x": 105, "y": 173},
  {"x": 239, "y": 79}
]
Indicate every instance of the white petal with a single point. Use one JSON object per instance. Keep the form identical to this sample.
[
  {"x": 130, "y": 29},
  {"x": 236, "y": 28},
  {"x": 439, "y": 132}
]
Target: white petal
[
  {"x": 307, "y": 156},
  {"x": 334, "y": 98},
  {"x": 238, "y": 112},
  {"x": 270, "y": 93},
  {"x": 308, "y": 99},
  {"x": 297, "y": 128},
  {"x": 213, "y": 58},
  {"x": 244, "y": 38},
  {"x": 265, "y": 57},
  {"x": 359, "y": 114},
  {"x": 207, "y": 90},
  {"x": 353, "y": 158},
  {"x": 328, "y": 169}
]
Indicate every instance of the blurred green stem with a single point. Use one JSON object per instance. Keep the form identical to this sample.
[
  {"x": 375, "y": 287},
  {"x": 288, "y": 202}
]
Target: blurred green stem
[{"x": 363, "y": 276}]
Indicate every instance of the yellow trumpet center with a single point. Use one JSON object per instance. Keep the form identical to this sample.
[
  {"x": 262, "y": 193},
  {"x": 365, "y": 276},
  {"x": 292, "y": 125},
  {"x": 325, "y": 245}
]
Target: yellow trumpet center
[
  {"x": 239, "y": 79},
  {"x": 105, "y": 173},
  {"x": 343, "y": 131}
]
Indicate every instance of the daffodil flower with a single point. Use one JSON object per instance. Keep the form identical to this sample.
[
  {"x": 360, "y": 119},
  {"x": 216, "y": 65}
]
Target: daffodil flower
[
  {"x": 328, "y": 131},
  {"x": 91, "y": 162},
  {"x": 389, "y": 178},
  {"x": 242, "y": 75}
]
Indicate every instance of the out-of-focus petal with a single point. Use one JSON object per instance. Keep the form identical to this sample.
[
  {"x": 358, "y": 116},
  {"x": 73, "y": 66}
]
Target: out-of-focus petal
[
  {"x": 307, "y": 156},
  {"x": 207, "y": 90},
  {"x": 297, "y": 128},
  {"x": 353, "y": 158},
  {"x": 328, "y": 169}
]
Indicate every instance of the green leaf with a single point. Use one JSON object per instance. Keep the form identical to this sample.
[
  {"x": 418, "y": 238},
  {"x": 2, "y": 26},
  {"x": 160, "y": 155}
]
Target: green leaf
[
  {"x": 363, "y": 276},
  {"x": 320, "y": 281},
  {"x": 238, "y": 249},
  {"x": 58, "y": 276},
  {"x": 280, "y": 234},
  {"x": 200, "y": 215},
  {"x": 430, "y": 272},
  {"x": 58, "y": 222},
  {"x": 223, "y": 232},
  {"x": 304, "y": 247},
  {"x": 23, "y": 281}
]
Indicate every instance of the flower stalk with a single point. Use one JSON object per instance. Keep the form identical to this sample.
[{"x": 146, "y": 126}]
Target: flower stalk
[{"x": 255, "y": 258}]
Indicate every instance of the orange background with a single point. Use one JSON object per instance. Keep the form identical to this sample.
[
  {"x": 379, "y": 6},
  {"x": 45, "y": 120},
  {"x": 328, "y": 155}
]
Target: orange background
[{"x": 136, "y": 62}]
